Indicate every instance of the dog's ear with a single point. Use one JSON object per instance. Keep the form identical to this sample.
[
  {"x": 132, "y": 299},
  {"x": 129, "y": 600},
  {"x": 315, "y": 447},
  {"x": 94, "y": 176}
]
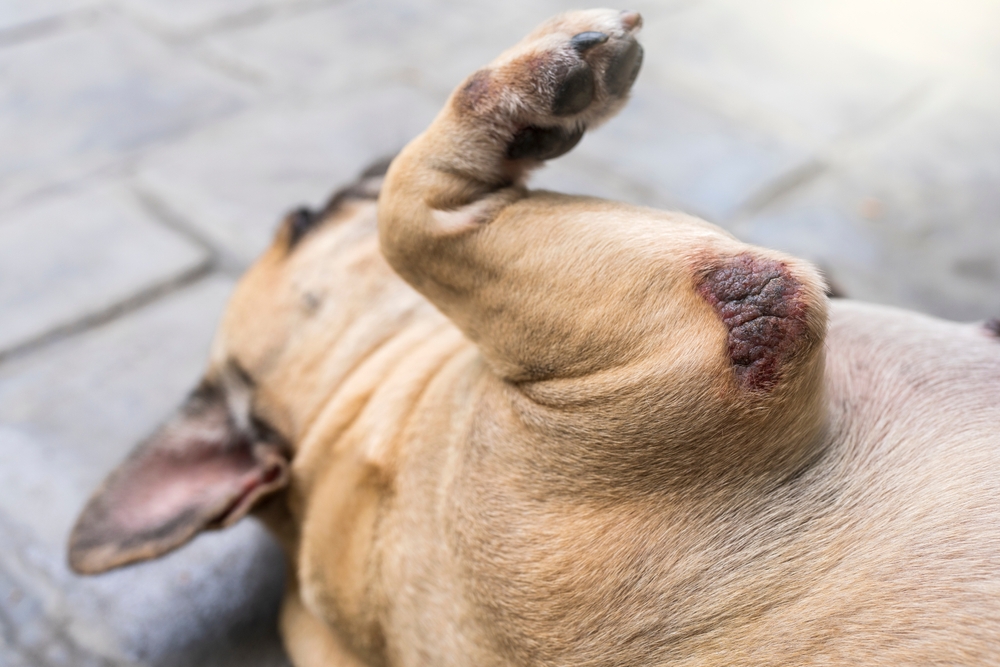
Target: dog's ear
[{"x": 199, "y": 470}]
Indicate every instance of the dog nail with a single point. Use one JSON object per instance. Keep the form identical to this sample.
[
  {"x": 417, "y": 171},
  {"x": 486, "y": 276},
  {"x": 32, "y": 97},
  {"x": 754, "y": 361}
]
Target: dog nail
[
  {"x": 631, "y": 20},
  {"x": 575, "y": 92},
  {"x": 587, "y": 40},
  {"x": 623, "y": 69}
]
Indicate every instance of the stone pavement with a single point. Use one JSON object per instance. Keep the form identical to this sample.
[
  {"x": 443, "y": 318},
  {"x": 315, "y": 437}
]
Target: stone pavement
[{"x": 149, "y": 147}]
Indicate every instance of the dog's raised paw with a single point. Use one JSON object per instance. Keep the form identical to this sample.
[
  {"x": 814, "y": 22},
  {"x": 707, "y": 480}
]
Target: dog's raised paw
[
  {"x": 573, "y": 71},
  {"x": 584, "y": 62}
]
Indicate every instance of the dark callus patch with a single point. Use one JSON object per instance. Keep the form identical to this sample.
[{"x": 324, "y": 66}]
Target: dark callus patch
[
  {"x": 762, "y": 305},
  {"x": 542, "y": 143}
]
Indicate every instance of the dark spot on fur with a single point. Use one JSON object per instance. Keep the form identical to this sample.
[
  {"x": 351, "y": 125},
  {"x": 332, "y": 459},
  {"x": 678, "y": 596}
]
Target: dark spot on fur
[
  {"x": 311, "y": 302},
  {"x": 993, "y": 326},
  {"x": 623, "y": 69},
  {"x": 476, "y": 93},
  {"x": 575, "y": 92},
  {"x": 542, "y": 143},
  {"x": 301, "y": 221},
  {"x": 762, "y": 306}
]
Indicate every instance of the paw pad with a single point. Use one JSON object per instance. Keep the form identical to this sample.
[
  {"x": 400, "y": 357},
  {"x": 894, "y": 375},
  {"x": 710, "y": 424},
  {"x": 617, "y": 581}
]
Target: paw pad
[
  {"x": 623, "y": 69},
  {"x": 575, "y": 92},
  {"x": 542, "y": 143}
]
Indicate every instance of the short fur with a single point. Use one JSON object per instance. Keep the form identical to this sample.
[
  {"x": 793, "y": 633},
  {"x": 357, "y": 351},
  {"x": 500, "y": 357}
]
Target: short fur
[{"x": 589, "y": 433}]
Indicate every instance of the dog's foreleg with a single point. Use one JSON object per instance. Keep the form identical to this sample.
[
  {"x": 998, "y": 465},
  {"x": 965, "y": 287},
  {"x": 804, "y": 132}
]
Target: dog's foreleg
[{"x": 455, "y": 218}]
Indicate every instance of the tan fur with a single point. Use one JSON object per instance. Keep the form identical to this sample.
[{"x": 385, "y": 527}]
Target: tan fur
[{"x": 542, "y": 455}]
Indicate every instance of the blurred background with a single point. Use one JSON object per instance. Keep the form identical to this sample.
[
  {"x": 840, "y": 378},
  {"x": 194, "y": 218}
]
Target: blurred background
[{"x": 148, "y": 148}]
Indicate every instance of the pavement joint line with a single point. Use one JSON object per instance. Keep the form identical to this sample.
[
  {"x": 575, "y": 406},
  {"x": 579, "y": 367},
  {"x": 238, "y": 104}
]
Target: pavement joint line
[
  {"x": 263, "y": 13},
  {"x": 839, "y": 151},
  {"x": 779, "y": 188},
  {"x": 105, "y": 315},
  {"x": 166, "y": 215},
  {"x": 739, "y": 109},
  {"x": 234, "y": 69},
  {"x": 908, "y": 106},
  {"x": 87, "y": 175}
]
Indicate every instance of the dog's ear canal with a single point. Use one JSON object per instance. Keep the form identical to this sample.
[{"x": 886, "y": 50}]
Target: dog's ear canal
[{"x": 199, "y": 470}]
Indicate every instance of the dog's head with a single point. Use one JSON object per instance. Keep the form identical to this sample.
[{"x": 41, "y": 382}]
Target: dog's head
[{"x": 294, "y": 326}]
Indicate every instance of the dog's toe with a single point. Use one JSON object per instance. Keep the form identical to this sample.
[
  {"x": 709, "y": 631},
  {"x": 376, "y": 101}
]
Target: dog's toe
[
  {"x": 542, "y": 143},
  {"x": 575, "y": 92},
  {"x": 623, "y": 68}
]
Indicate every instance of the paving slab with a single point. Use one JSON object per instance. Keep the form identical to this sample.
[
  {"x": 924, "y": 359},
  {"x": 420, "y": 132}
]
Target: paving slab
[
  {"x": 778, "y": 61},
  {"x": 912, "y": 219},
  {"x": 18, "y": 14},
  {"x": 689, "y": 155},
  {"x": 433, "y": 44},
  {"x": 182, "y": 17},
  {"x": 70, "y": 413},
  {"x": 235, "y": 181},
  {"x": 93, "y": 94},
  {"x": 76, "y": 255}
]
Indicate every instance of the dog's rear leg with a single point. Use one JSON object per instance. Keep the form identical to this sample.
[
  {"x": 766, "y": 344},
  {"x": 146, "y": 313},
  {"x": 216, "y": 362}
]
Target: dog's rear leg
[{"x": 445, "y": 213}]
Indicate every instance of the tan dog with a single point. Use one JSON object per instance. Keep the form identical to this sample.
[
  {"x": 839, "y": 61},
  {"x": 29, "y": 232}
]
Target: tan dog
[{"x": 617, "y": 437}]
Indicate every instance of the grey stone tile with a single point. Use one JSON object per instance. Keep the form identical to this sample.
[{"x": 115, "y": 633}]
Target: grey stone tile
[
  {"x": 433, "y": 44},
  {"x": 912, "y": 219},
  {"x": 80, "y": 253},
  {"x": 30, "y": 633},
  {"x": 580, "y": 174},
  {"x": 87, "y": 96},
  {"x": 688, "y": 155},
  {"x": 68, "y": 414},
  {"x": 85, "y": 401},
  {"x": 234, "y": 181},
  {"x": 185, "y": 16},
  {"x": 790, "y": 63}
]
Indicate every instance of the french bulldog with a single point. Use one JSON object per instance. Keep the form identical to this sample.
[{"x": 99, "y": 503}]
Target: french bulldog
[{"x": 497, "y": 426}]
